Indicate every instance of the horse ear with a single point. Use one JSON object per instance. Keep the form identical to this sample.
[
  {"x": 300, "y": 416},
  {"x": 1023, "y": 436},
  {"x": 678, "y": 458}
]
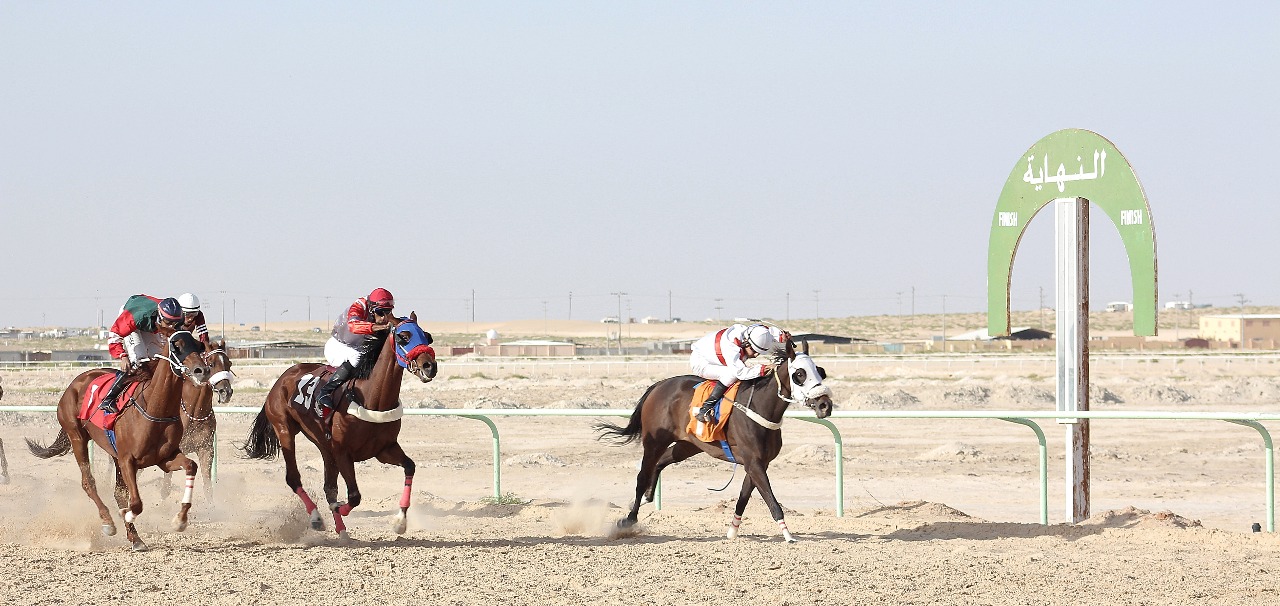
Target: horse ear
[
  {"x": 804, "y": 347},
  {"x": 822, "y": 373},
  {"x": 413, "y": 316}
]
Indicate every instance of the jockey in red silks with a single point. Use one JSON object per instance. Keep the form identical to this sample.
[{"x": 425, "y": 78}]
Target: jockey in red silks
[
  {"x": 133, "y": 337},
  {"x": 722, "y": 356},
  {"x": 352, "y": 333}
]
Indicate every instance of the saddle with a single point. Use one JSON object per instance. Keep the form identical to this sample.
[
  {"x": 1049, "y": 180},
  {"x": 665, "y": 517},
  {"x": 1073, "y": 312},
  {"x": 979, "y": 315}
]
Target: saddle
[
  {"x": 94, "y": 394},
  {"x": 710, "y": 432},
  {"x": 309, "y": 388}
]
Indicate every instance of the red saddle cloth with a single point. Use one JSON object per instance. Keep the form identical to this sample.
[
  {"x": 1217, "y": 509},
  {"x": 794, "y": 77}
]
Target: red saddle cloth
[
  {"x": 715, "y": 431},
  {"x": 93, "y": 395}
]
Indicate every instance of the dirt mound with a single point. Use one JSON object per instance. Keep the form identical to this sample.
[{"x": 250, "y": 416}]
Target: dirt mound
[
  {"x": 1132, "y": 517},
  {"x": 1161, "y": 394},
  {"x": 968, "y": 395},
  {"x": 808, "y": 454},
  {"x": 490, "y": 402},
  {"x": 1027, "y": 395},
  {"x": 918, "y": 511},
  {"x": 951, "y": 451},
  {"x": 1102, "y": 395},
  {"x": 893, "y": 400},
  {"x": 588, "y": 402},
  {"x": 536, "y": 458}
]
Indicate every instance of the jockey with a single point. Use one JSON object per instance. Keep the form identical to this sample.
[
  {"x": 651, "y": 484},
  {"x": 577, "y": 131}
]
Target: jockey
[
  {"x": 722, "y": 356},
  {"x": 192, "y": 318},
  {"x": 352, "y": 333},
  {"x": 133, "y": 337}
]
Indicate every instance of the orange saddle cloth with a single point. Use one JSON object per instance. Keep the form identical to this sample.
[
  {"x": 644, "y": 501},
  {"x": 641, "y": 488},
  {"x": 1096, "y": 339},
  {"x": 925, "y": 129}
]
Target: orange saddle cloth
[{"x": 710, "y": 432}]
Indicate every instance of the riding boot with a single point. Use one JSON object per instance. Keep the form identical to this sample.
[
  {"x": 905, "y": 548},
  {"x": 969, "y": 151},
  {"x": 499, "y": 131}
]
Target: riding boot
[
  {"x": 324, "y": 403},
  {"x": 708, "y": 407},
  {"x": 108, "y": 404}
]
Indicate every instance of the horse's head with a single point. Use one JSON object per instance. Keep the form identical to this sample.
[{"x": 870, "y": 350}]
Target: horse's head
[
  {"x": 219, "y": 362},
  {"x": 413, "y": 348},
  {"x": 804, "y": 381},
  {"x": 185, "y": 357}
]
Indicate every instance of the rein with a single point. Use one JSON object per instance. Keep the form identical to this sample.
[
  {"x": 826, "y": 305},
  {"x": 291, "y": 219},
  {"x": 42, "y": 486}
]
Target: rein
[{"x": 139, "y": 403}]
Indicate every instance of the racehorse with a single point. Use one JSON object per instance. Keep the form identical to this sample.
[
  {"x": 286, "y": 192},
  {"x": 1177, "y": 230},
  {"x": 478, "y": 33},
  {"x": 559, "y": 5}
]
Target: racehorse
[
  {"x": 142, "y": 440},
  {"x": 366, "y": 423},
  {"x": 753, "y": 430},
  {"x": 198, "y": 422}
]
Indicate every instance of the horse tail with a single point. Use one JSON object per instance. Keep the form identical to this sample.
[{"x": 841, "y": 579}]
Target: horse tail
[
  {"x": 60, "y": 446},
  {"x": 262, "y": 442},
  {"x": 625, "y": 435}
]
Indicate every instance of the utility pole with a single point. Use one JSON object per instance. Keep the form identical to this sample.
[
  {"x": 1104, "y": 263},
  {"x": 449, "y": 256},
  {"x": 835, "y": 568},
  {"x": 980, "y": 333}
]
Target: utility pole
[
  {"x": 913, "y": 307},
  {"x": 570, "y": 316},
  {"x": 1242, "y": 300},
  {"x": 788, "y": 316},
  {"x": 718, "y": 308},
  {"x": 224, "y": 315},
  {"x": 619, "y": 294},
  {"x": 670, "y": 316},
  {"x": 308, "y": 309},
  {"x": 264, "y": 316},
  {"x": 1041, "y": 308},
  {"x": 544, "y": 316}
]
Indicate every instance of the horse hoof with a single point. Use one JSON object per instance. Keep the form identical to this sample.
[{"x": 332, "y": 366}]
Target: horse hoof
[
  {"x": 732, "y": 533},
  {"x": 139, "y": 546},
  {"x": 626, "y": 523},
  {"x": 400, "y": 524},
  {"x": 343, "y": 536},
  {"x": 108, "y": 530},
  {"x": 791, "y": 539},
  {"x": 179, "y": 525}
]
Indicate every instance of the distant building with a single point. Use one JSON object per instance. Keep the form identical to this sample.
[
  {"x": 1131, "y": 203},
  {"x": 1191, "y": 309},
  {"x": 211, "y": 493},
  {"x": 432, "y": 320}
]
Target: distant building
[
  {"x": 1255, "y": 331},
  {"x": 1117, "y": 306},
  {"x": 528, "y": 348}
]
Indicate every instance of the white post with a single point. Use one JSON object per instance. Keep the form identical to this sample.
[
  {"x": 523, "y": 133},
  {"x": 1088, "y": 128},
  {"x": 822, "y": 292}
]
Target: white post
[{"x": 1072, "y": 275}]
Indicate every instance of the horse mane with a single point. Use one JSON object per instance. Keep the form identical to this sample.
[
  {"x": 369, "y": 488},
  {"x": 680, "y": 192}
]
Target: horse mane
[{"x": 372, "y": 350}]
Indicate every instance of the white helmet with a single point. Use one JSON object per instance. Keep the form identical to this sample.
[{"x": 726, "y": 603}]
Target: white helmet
[
  {"x": 189, "y": 302},
  {"x": 760, "y": 339}
]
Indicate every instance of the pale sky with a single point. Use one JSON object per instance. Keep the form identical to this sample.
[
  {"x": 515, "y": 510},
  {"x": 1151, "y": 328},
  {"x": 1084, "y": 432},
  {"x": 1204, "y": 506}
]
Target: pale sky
[{"x": 738, "y": 155}]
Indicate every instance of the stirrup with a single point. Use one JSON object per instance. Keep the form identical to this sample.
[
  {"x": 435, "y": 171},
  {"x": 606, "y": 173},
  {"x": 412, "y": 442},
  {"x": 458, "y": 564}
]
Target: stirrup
[
  {"x": 108, "y": 407},
  {"x": 705, "y": 413}
]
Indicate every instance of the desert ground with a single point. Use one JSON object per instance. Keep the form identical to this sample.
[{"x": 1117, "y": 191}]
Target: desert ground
[{"x": 936, "y": 512}]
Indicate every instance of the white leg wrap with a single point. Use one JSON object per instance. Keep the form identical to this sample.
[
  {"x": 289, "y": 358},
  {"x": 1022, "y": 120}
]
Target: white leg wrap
[
  {"x": 186, "y": 493},
  {"x": 733, "y": 526},
  {"x": 786, "y": 534},
  {"x": 129, "y": 517}
]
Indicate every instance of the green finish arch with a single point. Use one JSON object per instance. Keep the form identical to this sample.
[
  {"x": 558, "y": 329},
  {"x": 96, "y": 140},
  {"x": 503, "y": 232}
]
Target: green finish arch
[{"x": 1073, "y": 163}]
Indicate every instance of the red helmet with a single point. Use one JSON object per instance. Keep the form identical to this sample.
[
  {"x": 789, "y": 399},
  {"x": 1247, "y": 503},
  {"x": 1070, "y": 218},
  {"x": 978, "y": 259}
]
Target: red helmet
[{"x": 381, "y": 298}]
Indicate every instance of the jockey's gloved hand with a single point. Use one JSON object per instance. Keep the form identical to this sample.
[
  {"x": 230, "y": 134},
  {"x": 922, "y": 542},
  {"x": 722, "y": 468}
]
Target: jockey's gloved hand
[
  {"x": 381, "y": 327},
  {"x": 125, "y": 365}
]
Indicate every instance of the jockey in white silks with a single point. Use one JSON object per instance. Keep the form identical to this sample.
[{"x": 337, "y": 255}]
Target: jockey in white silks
[{"x": 722, "y": 356}]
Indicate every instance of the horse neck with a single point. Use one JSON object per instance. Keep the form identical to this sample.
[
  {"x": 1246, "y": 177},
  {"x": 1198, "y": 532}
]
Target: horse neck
[
  {"x": 163, "y": 392},
  {"x": 766, "y": 401},
  {"x": 385, "y": 378}
]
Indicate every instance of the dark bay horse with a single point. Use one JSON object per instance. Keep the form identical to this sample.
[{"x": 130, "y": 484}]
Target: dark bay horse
[
  {"x": 198, "y": 422},
  {"x": 662, "y": 416},
  {"x": 147, "y": 432},
  {"x": 365, "y": 426}
]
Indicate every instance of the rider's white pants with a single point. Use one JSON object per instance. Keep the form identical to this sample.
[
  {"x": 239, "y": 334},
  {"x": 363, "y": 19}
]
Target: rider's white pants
[
  {"x": 336, "y": 352},
  {"x": 141, "y": 346}
]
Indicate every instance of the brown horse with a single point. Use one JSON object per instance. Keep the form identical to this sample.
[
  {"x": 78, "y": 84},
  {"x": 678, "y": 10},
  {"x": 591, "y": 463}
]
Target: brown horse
[
  {"x": 366, "y": 424},
  {"x": 198, "y": 423},
  {"x": 753, "y": 431},
  {"x": 149, "y": 437}
]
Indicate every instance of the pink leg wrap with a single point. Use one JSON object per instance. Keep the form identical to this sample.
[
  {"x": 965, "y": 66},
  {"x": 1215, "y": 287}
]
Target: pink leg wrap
[
  {"x": 344, "y": 510},
  {"x": 306, "y": 499},
  {"x": 338, "y": 526},
  {"x": 408, "y": 489}
]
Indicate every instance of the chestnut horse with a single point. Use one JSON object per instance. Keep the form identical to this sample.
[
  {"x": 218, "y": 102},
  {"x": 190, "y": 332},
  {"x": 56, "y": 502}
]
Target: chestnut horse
[
  {"x": 149, "y": 437},
  {"x": 198, "y": 422},
  {"x": 753, "y": 431},
  {"x": 365, "y": 425}
]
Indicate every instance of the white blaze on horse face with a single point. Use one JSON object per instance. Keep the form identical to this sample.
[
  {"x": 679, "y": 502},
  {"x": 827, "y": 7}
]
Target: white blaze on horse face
[{"x": 812, "y": 386}]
